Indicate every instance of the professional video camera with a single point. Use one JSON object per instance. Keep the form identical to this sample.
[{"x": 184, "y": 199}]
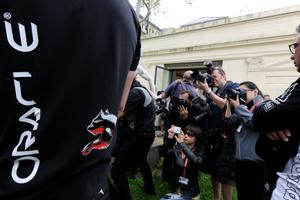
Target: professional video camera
[
  {"x": 198, "y": 76},
  {"x": 209, "y": 66},
  {"x": 234, "y": 93}
]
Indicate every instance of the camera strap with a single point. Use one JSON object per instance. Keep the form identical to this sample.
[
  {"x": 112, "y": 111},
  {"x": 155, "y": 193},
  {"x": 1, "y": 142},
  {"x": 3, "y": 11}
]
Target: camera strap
[
  {"x": 220, "y": 92},
  {"x": 223, "y": 134}
]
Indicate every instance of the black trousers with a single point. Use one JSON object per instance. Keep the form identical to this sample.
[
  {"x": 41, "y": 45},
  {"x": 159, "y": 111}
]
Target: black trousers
[
  {"x": 250, "y": 180},
  {"x": 167, "y": 164},
  {"x": 133, "y": 152}
]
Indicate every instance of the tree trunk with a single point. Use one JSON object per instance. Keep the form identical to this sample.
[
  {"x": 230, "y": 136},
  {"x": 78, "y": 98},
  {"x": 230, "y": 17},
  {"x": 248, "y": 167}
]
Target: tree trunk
[{"x": 138, "y": 6}]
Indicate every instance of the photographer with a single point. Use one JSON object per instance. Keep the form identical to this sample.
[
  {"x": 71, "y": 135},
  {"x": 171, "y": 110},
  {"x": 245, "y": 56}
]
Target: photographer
[
  {"x": 177, "y": 86},
  {"x": 185, "y": 111},
  {"x": 186, "y": 155},
  {"x": 182, "y": 112},
  {"x": 222, "y": 175},
  {"x": 203, "y": 113},
  {"x": 162, "y": 111},
  {"x": 250, "y": 172},
  {"x": 172, "y": 92}
]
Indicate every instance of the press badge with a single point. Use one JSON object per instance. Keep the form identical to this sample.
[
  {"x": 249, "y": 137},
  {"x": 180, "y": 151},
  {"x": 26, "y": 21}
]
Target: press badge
[{"x": 183, "y": 180}]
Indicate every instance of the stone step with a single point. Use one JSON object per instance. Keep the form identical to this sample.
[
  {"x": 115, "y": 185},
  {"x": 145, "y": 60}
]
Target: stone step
[{"x": 154, "y": 152}]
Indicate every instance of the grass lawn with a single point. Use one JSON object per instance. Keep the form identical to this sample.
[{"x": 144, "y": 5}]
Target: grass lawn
[{"x": 161, "y": 188}]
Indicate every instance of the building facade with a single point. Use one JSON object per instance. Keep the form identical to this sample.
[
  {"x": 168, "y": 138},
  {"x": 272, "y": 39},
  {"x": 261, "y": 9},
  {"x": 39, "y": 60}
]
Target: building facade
[{"x": 253, "y": 47}]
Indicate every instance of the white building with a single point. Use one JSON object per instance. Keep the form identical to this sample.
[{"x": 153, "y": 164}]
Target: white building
[{"x": 252, "y": 47}]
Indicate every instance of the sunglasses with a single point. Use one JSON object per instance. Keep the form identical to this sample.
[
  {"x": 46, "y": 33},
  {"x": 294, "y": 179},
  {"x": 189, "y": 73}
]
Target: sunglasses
[
  {"x": 189, "y": 133},
  {"x": 292, "y": 47}
]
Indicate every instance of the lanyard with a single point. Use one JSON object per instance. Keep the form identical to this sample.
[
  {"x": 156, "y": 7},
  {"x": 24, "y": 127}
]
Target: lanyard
[{"x": 185, "y": 159}]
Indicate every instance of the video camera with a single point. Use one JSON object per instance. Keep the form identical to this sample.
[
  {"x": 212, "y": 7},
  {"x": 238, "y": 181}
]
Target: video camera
[
  {"x": 234, "y": 93},
  {"x": 198, "y": 76}
]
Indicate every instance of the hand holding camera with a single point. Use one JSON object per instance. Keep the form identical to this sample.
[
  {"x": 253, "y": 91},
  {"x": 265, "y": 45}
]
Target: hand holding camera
[
  {"x": 174, "y": 131},
  {"x": 202, "y": 77},
  {"x": 237, "y": 94},
  {"x": 203, "y": 85},
  {"x": 179, "y": 136},
  {"x": 233, "y": 102}
]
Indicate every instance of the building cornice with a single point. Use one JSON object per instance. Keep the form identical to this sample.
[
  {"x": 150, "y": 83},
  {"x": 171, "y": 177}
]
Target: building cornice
[
  {"x": 228, "y": 21},
  {"x": 207, "y": 47}
]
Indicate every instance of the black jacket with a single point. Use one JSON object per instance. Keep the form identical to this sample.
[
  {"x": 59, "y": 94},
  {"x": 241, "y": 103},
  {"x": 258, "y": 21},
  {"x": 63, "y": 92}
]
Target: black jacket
[
  {"x": 70, "y": 63},
  {"x": 140, "y": 109},
  {"x": 282, "y": 113},
  {"x": 193, "y": 166}
]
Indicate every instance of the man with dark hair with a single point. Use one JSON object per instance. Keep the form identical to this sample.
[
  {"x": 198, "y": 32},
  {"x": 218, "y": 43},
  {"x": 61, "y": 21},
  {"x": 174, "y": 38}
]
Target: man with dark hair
[
  {"x": 280, "y": 149},
  {"x": 63, "y": 67}
]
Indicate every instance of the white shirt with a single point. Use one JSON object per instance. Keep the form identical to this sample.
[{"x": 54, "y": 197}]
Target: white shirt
[{"x": 288, "y": 183}]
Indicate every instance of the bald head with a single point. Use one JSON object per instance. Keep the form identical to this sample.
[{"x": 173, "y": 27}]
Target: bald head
[{"x": 187, "y": 75}]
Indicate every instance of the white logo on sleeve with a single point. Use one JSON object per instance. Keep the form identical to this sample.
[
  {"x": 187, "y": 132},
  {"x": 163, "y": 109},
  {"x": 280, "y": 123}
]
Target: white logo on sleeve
[
  {"x": 268, "y": 106},
  {"x": 287, "y": 93}
]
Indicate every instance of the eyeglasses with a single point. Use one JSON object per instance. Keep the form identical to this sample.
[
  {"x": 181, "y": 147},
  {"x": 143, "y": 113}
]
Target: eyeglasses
[
  {"x": 189, "y": 133},
  {"x": 292, "y": 47}
]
